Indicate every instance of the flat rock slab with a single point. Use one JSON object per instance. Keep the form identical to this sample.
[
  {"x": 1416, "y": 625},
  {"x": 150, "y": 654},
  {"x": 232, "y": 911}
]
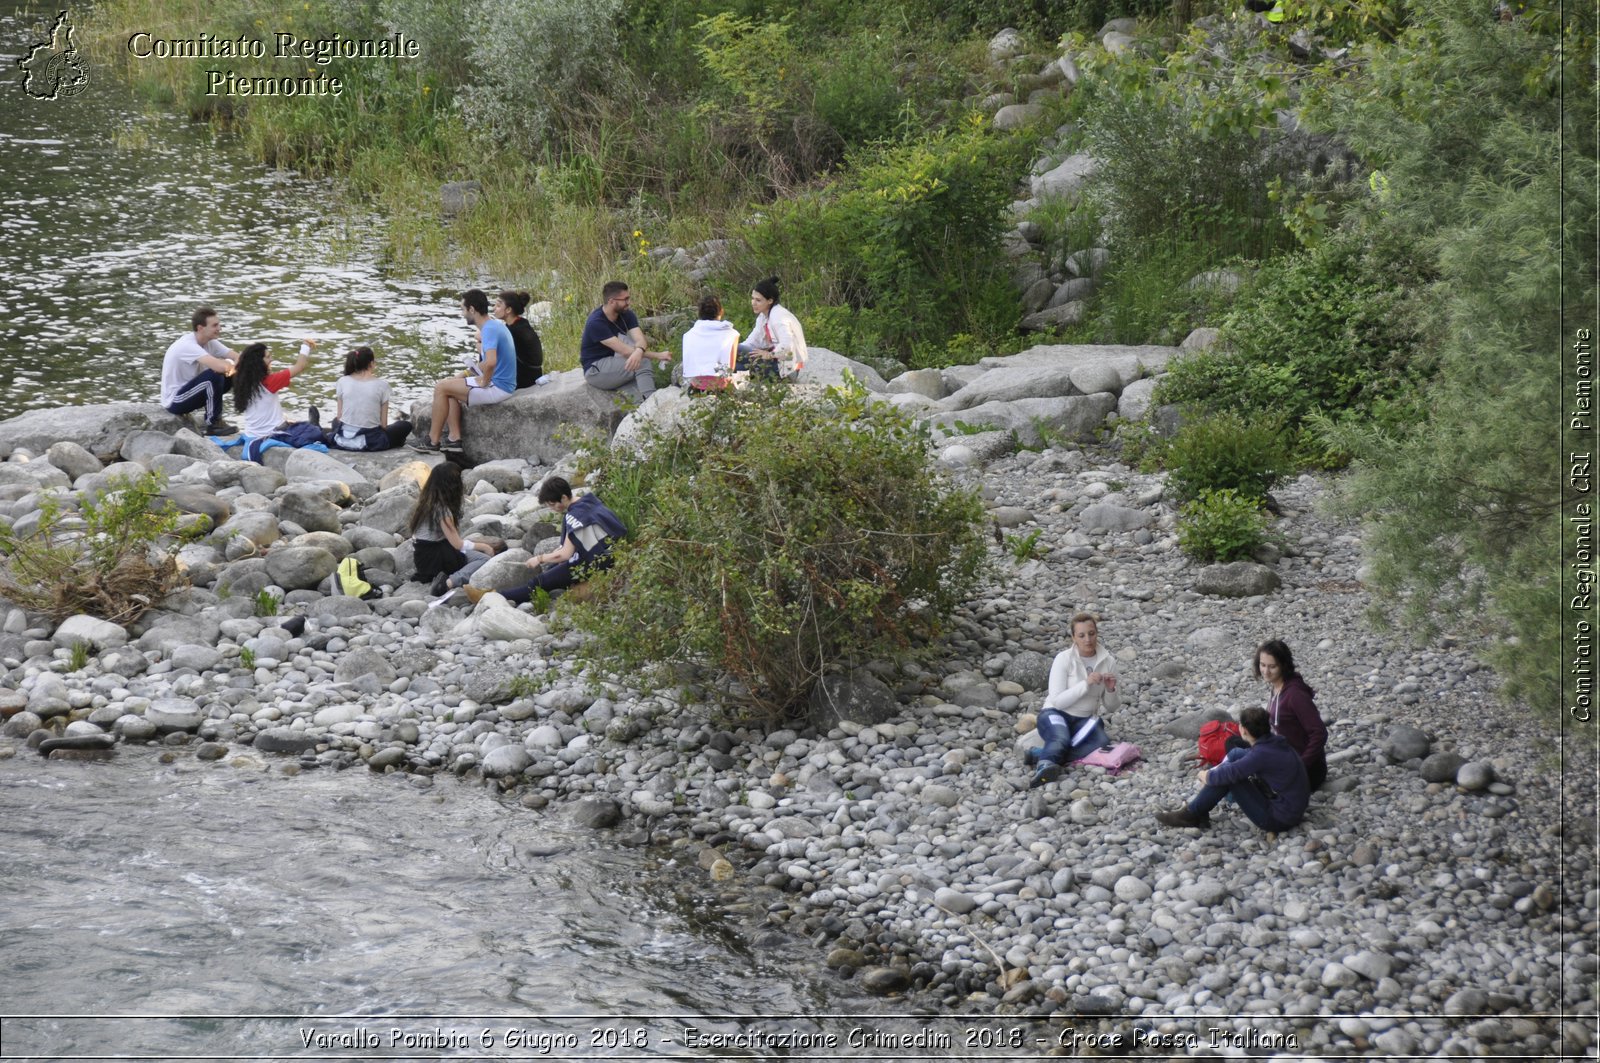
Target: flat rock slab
[{"x": 98, "y": 429}]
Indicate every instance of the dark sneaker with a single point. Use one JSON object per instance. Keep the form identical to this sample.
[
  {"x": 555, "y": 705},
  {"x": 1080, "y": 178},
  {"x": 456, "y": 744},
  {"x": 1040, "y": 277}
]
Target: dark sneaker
[
  {"x": 441, "y": 583},
  {"x": 1047, "y": 773},
  {"x": 450, "y": 444},
  {"x": 1183, "y": 818},
  {"x": 424, "y": 445},
  {"x": 314, "y": 416},
  {"x": 220, "y": 428}
]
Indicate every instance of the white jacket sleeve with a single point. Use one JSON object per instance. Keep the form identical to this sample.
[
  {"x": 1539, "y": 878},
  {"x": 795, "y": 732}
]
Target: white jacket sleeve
[{"x": 1065, "y": 689}]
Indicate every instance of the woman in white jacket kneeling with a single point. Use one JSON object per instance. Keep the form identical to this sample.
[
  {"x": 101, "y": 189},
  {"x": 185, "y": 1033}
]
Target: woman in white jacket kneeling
[
  {"x": 777, "y": 343},
  {"x": 1083, "y": 685}
]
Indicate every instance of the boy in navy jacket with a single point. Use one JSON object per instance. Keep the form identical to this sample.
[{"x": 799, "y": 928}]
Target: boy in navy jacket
[
  {"x": 1267, "y": 781},
  {"x": 590, "y": 529}
]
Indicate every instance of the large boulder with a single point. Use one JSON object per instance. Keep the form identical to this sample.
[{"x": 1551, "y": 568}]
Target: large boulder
[
  {"x": 1134, "y": 402},
  {"x": 390, "y": 510},
  {"x": 530, "y": 424},
  {"x": 307, "y": 506},
  {"x": 300, "y": 567},
  {"x": 90, "y": 630},
  {"x": 1065, "y": 180},
  {"x": 825, "y": 368},
  {"x": 303, "y": 466},
  {"x": 1237, "y": 579},
  {"x": 857, "y": 697},
  {"x": 504, "y": 570},
  {"x": 72, "y": 459},
  {"x": 98, "y": 429},
  {"x": 660, "y": 411},
  {"x": 1077, "y": 417}
]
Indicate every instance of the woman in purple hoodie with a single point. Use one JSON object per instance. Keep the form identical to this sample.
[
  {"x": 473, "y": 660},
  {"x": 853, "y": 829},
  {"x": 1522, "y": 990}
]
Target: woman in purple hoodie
[{"x": 1293, "y": 713}]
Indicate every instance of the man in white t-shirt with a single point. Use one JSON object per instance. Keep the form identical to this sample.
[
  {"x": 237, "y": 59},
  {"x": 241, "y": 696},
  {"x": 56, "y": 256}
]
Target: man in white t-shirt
[{"x": 196, "y": 372}]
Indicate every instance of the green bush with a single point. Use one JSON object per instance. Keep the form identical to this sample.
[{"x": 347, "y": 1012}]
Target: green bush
[
  {"x": 114, "y": 559},
  {"x": 777, "y": 536},
  {"x": 1331, "y": 329},
  {"x": 1227, "y": 451},
  {"x": 904, "y": 243},
  {"x": 1220, "y": 525}
]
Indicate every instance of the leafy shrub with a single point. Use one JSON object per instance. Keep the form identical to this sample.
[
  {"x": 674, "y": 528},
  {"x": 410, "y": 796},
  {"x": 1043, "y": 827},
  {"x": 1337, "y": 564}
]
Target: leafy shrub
[
  {"x": 1227, "y": 451},
  {"x": 904, "y": 243},
  {"x": 1220, "y": 525},
  {"x": 1318, "y": 330},
  {"x": 114, "y": 559},
  {"x": 779, "y": 535}
]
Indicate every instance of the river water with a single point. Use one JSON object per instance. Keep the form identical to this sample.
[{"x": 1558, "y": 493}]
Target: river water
[
  {"x": 118, "y": 219},
  {"x": 225, "y": 910}
]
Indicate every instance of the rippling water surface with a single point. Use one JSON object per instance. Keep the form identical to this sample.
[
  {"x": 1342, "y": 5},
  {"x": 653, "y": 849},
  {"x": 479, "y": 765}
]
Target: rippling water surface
[
  {"x": 190, "y": 889},
  {"x": 117, "y": 220}
]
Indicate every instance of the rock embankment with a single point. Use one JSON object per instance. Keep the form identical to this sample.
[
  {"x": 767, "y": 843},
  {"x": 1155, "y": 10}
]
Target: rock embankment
[{"x": 1423, "y": 908}]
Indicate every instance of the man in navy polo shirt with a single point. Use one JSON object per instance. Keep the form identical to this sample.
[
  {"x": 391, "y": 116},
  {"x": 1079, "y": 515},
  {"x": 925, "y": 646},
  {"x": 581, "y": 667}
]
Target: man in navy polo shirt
[
  {"x": 614, "y": 348},
  {"x": 1266, "y": 780}
]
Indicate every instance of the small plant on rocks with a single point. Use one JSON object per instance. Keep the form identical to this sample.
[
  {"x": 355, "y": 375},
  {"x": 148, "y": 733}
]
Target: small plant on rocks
[
  {"x": 247, "y": 659},
  {"x": 115, "y": 558},
  {"x": 1220, "y": 525},
  {"x": 78, "y": 659},
  {"x": 267, "y": 603}
]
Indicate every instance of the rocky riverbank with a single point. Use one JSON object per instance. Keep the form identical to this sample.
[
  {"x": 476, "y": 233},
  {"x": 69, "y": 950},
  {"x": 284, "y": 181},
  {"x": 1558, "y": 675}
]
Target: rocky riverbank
[{"x": 1441, "y": 897}]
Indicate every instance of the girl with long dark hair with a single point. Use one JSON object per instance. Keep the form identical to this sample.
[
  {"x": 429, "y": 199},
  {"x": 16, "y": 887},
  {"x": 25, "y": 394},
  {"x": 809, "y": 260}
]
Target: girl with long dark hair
[
  {"x": 442, "y": 555},
  {"x": 508, "y": 308},
  {"x": 255, "y": 398}
]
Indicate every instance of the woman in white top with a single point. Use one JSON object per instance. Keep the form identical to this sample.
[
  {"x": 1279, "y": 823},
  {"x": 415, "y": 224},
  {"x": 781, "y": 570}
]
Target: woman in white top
[
  {"x": 777, "y": 343},
  {"x": 1083, "y": 685},
  {"x": 710, "y": 349},
  {"x": 361, "y": 421}
]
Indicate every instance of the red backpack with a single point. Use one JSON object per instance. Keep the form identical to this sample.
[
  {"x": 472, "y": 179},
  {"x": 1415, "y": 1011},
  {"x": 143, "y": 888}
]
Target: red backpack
[{"x": 1214, "y": 737}]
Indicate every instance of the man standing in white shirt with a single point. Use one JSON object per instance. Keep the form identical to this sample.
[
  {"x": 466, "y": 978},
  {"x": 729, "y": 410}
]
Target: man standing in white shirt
[{"x": 196, "y": 369}]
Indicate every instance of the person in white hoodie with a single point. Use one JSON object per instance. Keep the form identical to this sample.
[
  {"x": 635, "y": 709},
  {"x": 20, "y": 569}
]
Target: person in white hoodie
[
  {"x": 710, "y": 349},
  {"x": 1083, "y": 684},
  {"x": 777, "y": 343}
]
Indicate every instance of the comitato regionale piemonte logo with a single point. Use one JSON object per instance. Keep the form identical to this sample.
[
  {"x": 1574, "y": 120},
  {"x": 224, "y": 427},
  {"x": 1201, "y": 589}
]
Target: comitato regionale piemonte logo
[{"x": 53, "y": 69}]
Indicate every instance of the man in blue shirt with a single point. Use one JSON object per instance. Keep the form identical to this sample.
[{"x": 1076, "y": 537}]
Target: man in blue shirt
[
  {"x": 614, "y": 350},
  {"x": 491, "y": 377},
  {"x": 1266, "y": 780}
]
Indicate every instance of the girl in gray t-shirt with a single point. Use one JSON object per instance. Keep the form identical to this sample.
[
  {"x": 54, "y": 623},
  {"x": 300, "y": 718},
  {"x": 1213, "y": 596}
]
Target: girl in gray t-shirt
[{"x": 362, "y": 420}]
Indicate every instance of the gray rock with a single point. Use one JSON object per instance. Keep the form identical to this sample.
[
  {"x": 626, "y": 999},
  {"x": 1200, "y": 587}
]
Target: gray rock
[
  {"x": 1134, "y": 402},
  {"x": 1117, "y": 43},
  {"x": 260, "y": 529},
  {"x": 1029, "y": 670},
  {"x": 1405, "y": 742},
  {"x": 925, "y": 382},
  {"x": 1066, "y": 180},
  {"x": 1188, "y": 726},
  {"x": 504, "y": 571},
  {"x": 72, "y": 459},
  {"x": 1105, "y": 516},
  {"x": 506, "y": 761},
  {"x": 308, "y": 507},
  {"x": 76, "y": 742},
  {"x": 98, "y": 429},
  {"x": 285, "y": 740},
  {"x": 133, "y": 728},
  {"x": 884, "y": 980},
  {"x": 199, "y": 658},
  {"x": 953, "y": 900},
  {"x": 92, "y": 631},
  {"x": 1207, "y": 892},
  {"x": 142, "y": 446},
  {"x": 502, "y": 623},
  {"x": 174, "y": 714},
  {"x": 1442, "y": 766},
  {"x": 1017, "y": 115},
  {"x": 1468, "y": 1001},
  {"x": 1199, "y": 339},
  {"x": 1336, "y": 975},
  {"x": 1075, "y": 417},
  {"x": 597, "y": 813},
  {"x": 300, "y": 567},
  {"x": 1007, "y": 44},
  {"x": 1370, "y": 965},
  {"x": 1237, "y": 579},
  {"x": 858, "y": 697},
  {"x": 22, "y": 724},
  {"x": 1053, "y": 317},
  {"x": 1090, "y": 262},
  {"x": 1131, "y": 888},
  {"x": 354, "y": 664},
  {"x": 1475, "y": 775}
]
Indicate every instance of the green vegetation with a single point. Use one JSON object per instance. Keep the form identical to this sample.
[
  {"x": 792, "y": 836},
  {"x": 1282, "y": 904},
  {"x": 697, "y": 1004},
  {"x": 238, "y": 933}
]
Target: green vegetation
[
  {"x": 113, "y": 559},
  {"x": 267, "y": 603},
  {"x": 78, "y": 657},
  {"x": 1220, "y": 525},
  {"x": 777, "y": 537},
  {"x": 1225, "y": 451}
]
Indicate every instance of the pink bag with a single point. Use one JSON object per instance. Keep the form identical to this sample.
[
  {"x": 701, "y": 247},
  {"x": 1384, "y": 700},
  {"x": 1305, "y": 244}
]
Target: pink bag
[{"x": 1116, "y": 759}]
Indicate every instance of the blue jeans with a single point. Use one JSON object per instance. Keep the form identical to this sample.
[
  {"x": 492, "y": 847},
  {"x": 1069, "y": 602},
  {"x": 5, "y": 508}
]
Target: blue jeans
[
  {"x": 1248, "y": 794},
  {"x": 1056, "y": 728}
]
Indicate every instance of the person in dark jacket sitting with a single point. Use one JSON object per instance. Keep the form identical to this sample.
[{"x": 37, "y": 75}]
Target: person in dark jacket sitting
[
  {"x": 585, "y": 547},
  {"x": 1267, "y": 781}
]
